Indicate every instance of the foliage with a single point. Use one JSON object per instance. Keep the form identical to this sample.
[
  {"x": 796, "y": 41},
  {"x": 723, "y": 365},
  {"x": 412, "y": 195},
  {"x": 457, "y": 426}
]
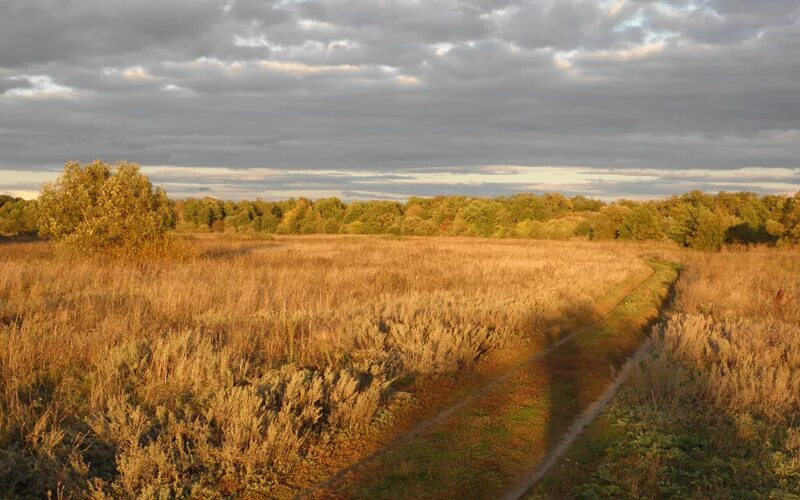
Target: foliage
[
  {"x": 641, "y": 223},
  {"x": 17, "y": 216},
  {"x": 95, "y": 208},
  {"x": 695, "y": 219}
]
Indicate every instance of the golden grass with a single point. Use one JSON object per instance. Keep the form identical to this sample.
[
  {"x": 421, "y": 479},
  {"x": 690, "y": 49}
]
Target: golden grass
[
  {"x": 722, "y": 392},
  {"x": 714, "y": 412},
  {"x": 736, "y": 321},
  {"x": 217, "y": 373}
]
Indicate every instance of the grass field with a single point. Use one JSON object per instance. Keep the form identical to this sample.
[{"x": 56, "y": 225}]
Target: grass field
[
  {"x": 261, "y": 368},
  {"x": 714, "y": 412},
  {"x": 224, "y": 372},
  {"x": 486, "y": 447}
]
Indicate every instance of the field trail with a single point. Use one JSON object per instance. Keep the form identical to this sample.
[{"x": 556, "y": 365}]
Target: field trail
[
  {"x": 578, "y": 425},
  {"x": 499, "y": 439}
]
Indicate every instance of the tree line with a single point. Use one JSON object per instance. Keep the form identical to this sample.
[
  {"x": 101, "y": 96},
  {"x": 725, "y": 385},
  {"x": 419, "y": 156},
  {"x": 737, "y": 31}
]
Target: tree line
[
  {"x": 695, "y": 219},
  {"x": 17, "y": 216}
]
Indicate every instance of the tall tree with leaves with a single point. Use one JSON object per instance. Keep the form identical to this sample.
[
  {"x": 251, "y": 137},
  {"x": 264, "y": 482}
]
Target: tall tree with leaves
[{"x": 99, "y": 209}]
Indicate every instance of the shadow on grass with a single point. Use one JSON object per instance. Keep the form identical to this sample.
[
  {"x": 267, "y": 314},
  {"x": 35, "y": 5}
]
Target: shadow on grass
[
  {"x": 488, "y": 443},
  {"x": 20, "y": 238},
  {"x": 583, "y": 369}
]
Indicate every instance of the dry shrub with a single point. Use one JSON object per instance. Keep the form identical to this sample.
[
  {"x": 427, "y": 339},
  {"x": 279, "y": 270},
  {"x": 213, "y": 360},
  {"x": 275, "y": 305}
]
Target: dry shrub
[
  {"x": 215, "y": 374},
  {"x": 750, "y": 365},
  {"x": 735, "y": 325},
  {"x": 723, "y": 388},
  {"x": 729, "y": 327}
]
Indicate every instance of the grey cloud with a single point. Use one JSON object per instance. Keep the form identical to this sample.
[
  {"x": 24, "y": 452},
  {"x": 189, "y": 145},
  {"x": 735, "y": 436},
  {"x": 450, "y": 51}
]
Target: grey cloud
[
  {"x": 435, "y": 86},
  {"x": 9, "y": 83},
  {"x": 724, "y": 21},
  {"x": 45, "y": 31}
]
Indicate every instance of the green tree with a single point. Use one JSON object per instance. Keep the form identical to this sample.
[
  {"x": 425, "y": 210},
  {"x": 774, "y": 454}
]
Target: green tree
[
  {"x": 706, "y": 228},
  {"x": 642, "y": 222},
  {"x": 791, "y": 221},
  {"x": 301, "y": 219},
  {"x": 95, "y": 209},
  {"x": 481, "y": 217},
  {"x": 375, "y": 216},
  {"x": 416, "y": 226},
  {"x": 332, "y": 211},
  {"x": 606, "y": 224},
  {"x": 444, "y": 210},
  {"x": 17, "y": 216},
  {"x": 584, "y": 204}
]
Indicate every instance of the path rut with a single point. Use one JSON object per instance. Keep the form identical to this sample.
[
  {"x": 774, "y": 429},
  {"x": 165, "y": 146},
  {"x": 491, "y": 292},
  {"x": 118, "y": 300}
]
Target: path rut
[{"x": 504, "y": 396}]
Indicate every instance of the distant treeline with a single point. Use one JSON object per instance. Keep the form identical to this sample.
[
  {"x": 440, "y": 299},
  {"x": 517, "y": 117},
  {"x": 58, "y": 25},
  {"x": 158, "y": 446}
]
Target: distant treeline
[
  {"x": 17, "y": 216},
  {"x": 695, "y": 219}
]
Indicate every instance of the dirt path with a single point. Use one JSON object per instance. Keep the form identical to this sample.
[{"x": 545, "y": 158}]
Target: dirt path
[
  {"x": 483, "y": 445},
  {"x": 440, "y": 417},
  {"x": 586, "y": 418}
]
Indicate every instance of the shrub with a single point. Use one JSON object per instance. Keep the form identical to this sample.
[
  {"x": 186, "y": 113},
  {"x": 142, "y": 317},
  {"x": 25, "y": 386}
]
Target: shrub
[{"x": 95, "y": 209}]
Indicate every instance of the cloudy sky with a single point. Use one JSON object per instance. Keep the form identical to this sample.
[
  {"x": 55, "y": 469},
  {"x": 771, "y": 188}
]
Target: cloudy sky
[{"x": 391, "y": 98}]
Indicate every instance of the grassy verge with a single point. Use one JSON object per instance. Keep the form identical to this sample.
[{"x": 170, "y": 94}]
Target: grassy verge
[
  {"x": 714, "y": 411},
  {"x": 632, "y": 452},
  {"x": 485, "y": 449}
]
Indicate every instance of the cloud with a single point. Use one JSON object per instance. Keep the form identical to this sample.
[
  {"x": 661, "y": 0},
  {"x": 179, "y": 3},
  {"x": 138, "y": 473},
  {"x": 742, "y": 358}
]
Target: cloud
[
  {"x": 636, "y": 52},
  {"x": 408, "y": 80},
  {"x": 37, "y": 87},
  {"x": 404, "y": 86},
  {"x": 300, "y": 69},
  {"x": 488, "y": 180}
]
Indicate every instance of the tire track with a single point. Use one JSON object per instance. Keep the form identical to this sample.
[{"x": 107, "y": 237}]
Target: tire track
[
  {"x": 578, "y": 425},
  {"x": 443, "y": 415}
]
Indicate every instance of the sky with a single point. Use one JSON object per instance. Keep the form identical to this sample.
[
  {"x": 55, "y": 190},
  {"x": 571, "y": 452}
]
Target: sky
[{"x": 389, "y": 99}]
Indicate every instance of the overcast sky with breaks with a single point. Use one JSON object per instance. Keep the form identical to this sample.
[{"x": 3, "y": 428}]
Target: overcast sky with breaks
[{"x": 391, "y": 98}]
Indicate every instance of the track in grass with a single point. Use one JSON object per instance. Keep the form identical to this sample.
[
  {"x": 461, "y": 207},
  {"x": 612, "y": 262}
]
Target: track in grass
[
  {"x": 578, "y": 426},
  {"x": 485, "y": 445}
]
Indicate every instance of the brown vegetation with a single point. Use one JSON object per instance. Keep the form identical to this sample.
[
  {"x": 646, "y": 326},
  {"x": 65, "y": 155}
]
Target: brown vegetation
[
  {"x": 737, "y": 322},
  {"x": 216, "y": 374},
  {"x": 714, "y": 412},
  {"x": 727, "y": 373}
]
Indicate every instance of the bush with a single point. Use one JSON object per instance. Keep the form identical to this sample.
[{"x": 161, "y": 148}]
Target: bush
[{"x": 94, "y": 209}]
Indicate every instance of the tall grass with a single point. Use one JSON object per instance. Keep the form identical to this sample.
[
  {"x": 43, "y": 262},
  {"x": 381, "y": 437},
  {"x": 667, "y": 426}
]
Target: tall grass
[
  {"x": 216, "y": 374},
  {"x": 737, "y": 322},
  {"x": 715, "y": 413}
]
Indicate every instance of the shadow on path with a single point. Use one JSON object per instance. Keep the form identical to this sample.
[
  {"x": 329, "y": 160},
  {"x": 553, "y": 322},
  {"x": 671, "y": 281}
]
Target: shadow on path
[{"x": 489, "y": 443}]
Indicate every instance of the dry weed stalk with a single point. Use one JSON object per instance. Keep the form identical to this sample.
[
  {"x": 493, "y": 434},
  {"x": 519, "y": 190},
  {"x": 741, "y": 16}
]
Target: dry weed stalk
[{"x": 215, "y": 374}]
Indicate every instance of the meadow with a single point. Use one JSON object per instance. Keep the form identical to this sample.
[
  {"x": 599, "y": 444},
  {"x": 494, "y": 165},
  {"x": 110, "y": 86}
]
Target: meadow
[
  {"x": 713, "y": 412},
  {"x": 217, "y": 373}
]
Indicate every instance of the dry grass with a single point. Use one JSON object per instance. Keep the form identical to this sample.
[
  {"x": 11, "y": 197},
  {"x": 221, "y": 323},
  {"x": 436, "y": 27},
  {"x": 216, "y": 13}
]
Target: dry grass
[
  {"x": 216, "y": 374},
  {"x": 716, "y": 410},
  {"x": 737, "y": 321}
]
